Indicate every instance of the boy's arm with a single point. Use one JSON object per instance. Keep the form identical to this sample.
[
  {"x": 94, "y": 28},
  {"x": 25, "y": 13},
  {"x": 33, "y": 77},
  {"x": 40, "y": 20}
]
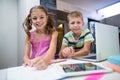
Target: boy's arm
[
  {"x": 60, "y": 52},
  {"x": 84, "y": 51}
]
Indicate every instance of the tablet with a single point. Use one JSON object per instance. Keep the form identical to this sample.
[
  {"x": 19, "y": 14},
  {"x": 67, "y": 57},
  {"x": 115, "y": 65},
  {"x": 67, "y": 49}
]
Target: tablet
[{"x": 83, "y": 69}]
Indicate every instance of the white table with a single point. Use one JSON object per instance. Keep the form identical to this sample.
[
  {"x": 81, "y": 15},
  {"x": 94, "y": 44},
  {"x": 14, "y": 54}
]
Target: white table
[
  {"x": 3, "y": 74},
  {"x": 51, "y": 73}
]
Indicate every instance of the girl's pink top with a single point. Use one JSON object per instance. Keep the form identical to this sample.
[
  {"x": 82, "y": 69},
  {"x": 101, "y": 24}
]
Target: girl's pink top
[{"x": 39, "y": 48}]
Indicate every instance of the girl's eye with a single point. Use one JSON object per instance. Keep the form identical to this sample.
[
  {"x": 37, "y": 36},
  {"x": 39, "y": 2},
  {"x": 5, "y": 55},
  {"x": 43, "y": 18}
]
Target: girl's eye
[
  {"x": 41, "y": 17},
  {"x": 34, "y": 18}
]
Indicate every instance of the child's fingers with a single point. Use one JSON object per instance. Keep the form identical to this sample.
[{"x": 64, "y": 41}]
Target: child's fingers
[
  {"x": 60, "y": 55},
  {"x": 66, "y": 52},
  {"x": 41, "y": 64},
  {"x": 71, "y": 52},
  {"x": 24, "y": 64},
  {"x": 72, "y": 49},
  {"x": 34, "y": 61}
]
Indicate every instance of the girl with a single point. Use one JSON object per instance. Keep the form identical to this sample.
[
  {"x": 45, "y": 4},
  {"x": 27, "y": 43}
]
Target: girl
[
  {"x": 40, "y": 45},
  {"x": 77, "y": 41}
]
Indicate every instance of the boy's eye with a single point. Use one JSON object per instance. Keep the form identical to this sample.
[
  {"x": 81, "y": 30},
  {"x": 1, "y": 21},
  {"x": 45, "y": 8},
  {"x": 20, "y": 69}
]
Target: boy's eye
[
  {"x": 78, "y": 22},
  {"x": 72, "y": 22}
]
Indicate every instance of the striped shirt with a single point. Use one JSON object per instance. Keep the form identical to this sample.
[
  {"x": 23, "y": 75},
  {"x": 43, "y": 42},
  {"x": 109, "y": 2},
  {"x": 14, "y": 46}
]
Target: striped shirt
[{"x": 69, "y": 40}]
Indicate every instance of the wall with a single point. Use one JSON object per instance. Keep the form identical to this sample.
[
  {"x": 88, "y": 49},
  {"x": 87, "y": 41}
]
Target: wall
[
  {"x": 8, "y": 33},
  {"x": 12, "y": 14},
  {"x": 114, "y": 20}
]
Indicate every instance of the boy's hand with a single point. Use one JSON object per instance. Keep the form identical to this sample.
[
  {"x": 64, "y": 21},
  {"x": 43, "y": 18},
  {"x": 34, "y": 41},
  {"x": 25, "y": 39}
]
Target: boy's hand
[{"x": 68, "y": 52}]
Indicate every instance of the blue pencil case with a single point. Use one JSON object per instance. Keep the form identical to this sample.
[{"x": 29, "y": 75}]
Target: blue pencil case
[{"x": 114, "y": 59}]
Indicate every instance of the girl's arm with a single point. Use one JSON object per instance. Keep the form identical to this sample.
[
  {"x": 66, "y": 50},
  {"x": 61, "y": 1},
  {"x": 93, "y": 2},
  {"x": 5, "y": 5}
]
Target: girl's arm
[
  {"x": 52, "y": 49},
  {"x": 27, "y": 51}
]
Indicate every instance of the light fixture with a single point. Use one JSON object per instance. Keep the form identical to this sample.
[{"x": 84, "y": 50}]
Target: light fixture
[
  {"x": 60, "y": 26},
  {"x": 110, "y": 10}
]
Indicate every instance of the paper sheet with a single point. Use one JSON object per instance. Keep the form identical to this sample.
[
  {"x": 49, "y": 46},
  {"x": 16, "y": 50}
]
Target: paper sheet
[{"x": 29, "y": 73}]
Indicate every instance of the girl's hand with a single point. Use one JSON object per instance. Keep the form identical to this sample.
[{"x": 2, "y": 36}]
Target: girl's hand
[
  {"x": 31, "y": 62},
  {"x": 39, "y": 63},
  {"x": 26, "y": 63},
  {"x": 68, "y": 52}
]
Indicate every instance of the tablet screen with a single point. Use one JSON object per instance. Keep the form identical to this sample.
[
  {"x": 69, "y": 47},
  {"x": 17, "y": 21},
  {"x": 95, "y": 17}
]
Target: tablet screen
[{"x": 80, "y": 67}]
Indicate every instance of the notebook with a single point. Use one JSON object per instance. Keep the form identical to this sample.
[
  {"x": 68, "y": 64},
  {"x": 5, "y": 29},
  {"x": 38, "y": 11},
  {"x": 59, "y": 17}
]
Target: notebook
[{"x": 106, "y": 42}]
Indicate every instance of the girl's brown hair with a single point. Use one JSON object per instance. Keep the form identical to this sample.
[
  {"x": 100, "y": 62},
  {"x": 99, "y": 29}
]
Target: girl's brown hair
[{"x": 49, "y": 28}]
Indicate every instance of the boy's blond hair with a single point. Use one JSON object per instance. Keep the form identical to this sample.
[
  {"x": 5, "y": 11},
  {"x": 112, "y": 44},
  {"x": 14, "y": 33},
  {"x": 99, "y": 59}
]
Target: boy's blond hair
[{"x": 75, "y": 14}]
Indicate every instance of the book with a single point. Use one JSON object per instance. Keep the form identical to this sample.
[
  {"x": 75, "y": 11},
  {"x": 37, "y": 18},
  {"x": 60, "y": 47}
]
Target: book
[{"x": 114, "y": 59}]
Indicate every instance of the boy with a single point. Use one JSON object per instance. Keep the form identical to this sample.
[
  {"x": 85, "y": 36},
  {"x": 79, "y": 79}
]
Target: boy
[{"x": 77, "y": 41}]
